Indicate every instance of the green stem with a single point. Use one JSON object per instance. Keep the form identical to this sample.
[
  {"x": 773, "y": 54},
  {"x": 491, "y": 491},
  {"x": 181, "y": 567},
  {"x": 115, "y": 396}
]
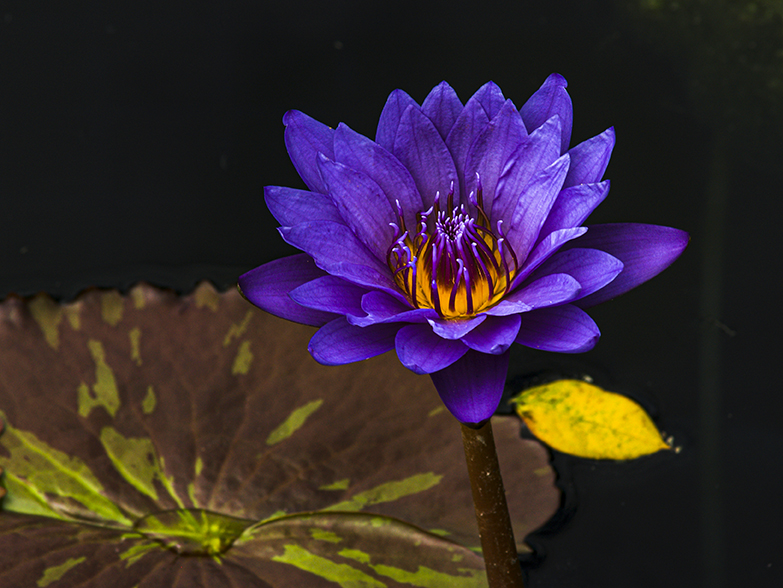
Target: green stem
[{"x": 489, "y": 498}]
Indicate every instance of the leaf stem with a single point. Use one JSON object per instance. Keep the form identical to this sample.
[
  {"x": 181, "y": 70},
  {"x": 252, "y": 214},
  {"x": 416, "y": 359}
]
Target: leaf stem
[{"x": 489, "y": 498}]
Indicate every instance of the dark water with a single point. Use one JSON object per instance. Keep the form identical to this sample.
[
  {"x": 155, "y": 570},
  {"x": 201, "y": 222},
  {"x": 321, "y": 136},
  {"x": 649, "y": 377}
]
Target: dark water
[{"x": 135, "y": 143}]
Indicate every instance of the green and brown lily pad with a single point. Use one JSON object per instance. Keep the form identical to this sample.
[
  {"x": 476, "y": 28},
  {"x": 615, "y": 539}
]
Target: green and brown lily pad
[{"x": 157, "y": 440}]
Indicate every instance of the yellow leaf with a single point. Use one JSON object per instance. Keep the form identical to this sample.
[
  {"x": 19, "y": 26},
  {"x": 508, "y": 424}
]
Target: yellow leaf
[{"x": 575, "y": 417}]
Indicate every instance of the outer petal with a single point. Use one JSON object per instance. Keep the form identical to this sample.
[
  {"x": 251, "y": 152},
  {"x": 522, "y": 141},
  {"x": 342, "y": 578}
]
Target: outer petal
[
  {"x": 338, "y": 342},
  {"x": 573, "y": 206},
  {"x": 494, "y": 335},
  {"x": 331, "y": 244},
  {"x": 423, "y": 352},
  {"x": 530, "y": 158},
  {"x": 471, "y": 388},
  {"x": 548, "y": 246},
  {"x": 305, "y": 138},
  {"x": 491, "y": 99},
  {"x": 549, "y": 290},
  {"x": 366, "y": 276},
  {"x": 360, "y": 153},
  {"x": 492, "y": 149},
  {"x": 524, "y": 225},
  {"x": 469, "y": 124},
  {"x": 397, "y": 102},
  {"x": 442, "y": 107},
  {"x": 593, "y": 269},
  {"x": 331, "y": 294},
  {"x": 291, "y": 207},
  {"x": 361, "y": 203},
  {"x": 645, "y": 250},
  {"x": 381, "y": 307},
  {"x": 455, "y": 329},
  {"x": 339, "y": 252},
  {"x": 268, "y": 286},
  {"x": 590, "y": 158},
  {"x": 420, "y": 148},
  {"x": 550, "y": 99},
  {"x": 565, "y": 329}
]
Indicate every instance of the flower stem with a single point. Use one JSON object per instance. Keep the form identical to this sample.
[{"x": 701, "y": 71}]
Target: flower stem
[{"x": 489, "y": 498}]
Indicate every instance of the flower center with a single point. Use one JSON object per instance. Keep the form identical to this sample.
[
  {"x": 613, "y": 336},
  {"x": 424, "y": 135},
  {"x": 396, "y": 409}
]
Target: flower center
[{"x": 454, "y": 263}]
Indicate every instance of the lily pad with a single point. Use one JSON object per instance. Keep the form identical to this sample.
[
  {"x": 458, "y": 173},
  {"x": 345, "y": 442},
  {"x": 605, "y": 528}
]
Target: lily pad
[{"x": 157, "y": 440}]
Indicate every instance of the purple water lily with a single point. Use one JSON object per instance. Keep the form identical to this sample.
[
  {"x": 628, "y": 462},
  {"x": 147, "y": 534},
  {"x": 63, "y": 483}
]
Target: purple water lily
[{"x": 454, "y": 234}]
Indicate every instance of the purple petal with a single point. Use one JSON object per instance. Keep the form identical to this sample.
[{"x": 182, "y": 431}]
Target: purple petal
[
  {"x": 337, "y": 250},
  {"x": 546, "y": 291},
  {"x": 524, "y": 225},
  {"x": 550, "y": 99},
  {"x": 305, "y": 138},
  {"x": 423, "y": 352},
  {"x": 530, "y": 158},
  {"x": 381, "y": 307},
  {"x": 492, "y": 149},
  {"x": 338, "y": 342},
  {"x": 420, "y": 148},
  {"x": 455, "y": 328},
  {"x": 331, "y": 294},
  {"x": 547, "y": 247},
  {"x": 645, "y": 250},
  {"x": 573, "y": 205},
  {"x": 593, "y": 269},
  {"x": 442, "y": 107},
  {"x": 365, "y": 156},
  {"x": 362, "y": 204},
  {"x": 268, "y": 286},
  {"x": 491, "y": 99},
  {"x": 494, "y": 335},
  {"x": 590, "y": 158},
  {"x": 291, "y": 207},
  {"x": 472, "y": 387},
  {"x": 482, "y": 107},
  {"x": 565, "y": 329},
  {"x": 470, "y": 122},
  {"x": 363, "y": 275},
  {"x": 397, "y": 102}
]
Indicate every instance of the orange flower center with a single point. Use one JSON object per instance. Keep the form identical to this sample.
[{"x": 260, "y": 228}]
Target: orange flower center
[{"x": 454, "y": 263}]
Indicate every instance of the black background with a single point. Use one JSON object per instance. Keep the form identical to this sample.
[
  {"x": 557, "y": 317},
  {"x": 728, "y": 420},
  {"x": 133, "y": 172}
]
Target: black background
[{"x": 136, "y": 138}]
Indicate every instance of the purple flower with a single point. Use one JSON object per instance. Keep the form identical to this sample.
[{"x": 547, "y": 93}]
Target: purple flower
[{"x": 454, "y": 234}]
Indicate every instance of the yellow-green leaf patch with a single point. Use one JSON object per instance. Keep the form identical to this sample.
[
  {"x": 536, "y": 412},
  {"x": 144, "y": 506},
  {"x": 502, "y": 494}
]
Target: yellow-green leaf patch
[{"x": 582, "y": 419}]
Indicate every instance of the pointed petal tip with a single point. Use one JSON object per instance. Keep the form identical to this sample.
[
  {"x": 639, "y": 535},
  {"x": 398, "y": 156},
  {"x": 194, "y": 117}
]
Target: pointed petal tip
[
  {"x": 471, "y": 387},
  {"x": 422, "y": 351},
  {"x": 267, "y": 287},
  {"x": 402, "y": 96},
  {"x": 318, "y": 357},
  {"x": 645, "y": 250},
  {"x": 562, "y": 329},
  {"x": 290, "y": 116},
  {"x": 556, "y": 79},
  {"x": 611, "y": 135}
]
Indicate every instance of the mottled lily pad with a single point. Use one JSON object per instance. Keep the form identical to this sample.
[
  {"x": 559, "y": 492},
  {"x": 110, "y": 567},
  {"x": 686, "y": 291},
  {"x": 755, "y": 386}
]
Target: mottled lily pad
[{"x": 156, "y": 440}]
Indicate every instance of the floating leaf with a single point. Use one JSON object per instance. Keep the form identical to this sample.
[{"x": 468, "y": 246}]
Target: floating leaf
[
  {"x": 158, "y": 440},
  {"x": 579, "y": 418}
]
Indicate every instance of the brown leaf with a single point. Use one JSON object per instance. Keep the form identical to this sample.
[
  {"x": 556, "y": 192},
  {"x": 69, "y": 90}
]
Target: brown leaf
[{"x": 121, "y": 408}]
